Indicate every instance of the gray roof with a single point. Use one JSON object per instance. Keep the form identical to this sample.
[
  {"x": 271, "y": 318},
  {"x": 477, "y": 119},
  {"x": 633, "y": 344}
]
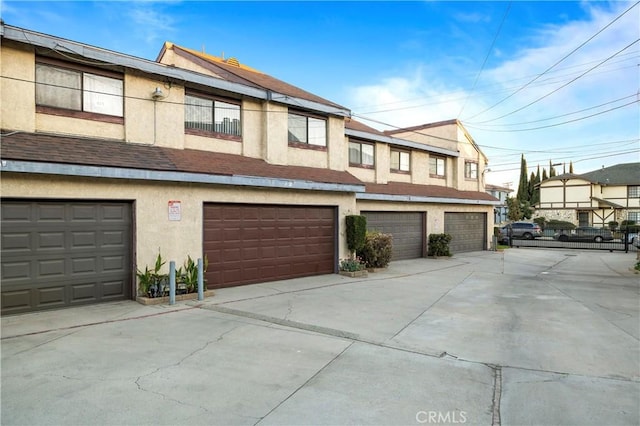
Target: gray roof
[{"x": 620, "y": 174}]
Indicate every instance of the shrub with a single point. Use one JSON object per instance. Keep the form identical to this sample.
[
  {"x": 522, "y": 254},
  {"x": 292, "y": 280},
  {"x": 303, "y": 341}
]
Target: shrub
[
  {"x": 351, "y": 265},
  {"x": 377, "y": 250},
  {"x": 439, "y": 245},
  {"x": 356, "y": 227},
  {"x": 630, "y": 226},
  {"x": 559, "y": 224},
  {"x": 613, "y": 225}
]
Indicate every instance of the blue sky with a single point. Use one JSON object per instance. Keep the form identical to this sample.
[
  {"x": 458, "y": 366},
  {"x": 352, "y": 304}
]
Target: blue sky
[{"x": 508, "y": 70}]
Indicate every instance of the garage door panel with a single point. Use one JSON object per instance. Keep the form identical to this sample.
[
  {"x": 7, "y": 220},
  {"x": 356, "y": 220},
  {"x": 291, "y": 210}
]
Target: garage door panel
[
  {"x": 407, "y": 229},
  {"x": 63, "y": 246},
  {"x": 467, "y": 229},
  {"x": 276, "y": 242}
]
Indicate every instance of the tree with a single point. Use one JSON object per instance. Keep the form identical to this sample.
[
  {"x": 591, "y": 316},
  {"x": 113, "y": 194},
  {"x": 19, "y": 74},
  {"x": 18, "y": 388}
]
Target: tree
[
  {"x": 535, "y": 197},
  {"x": 523, "y": 185},
  {"x": 552, "y": 171},
  {"x": 544, "y": 174},
  {"x": 514, "y": 208},
  {"x": 571, "y": 167}
]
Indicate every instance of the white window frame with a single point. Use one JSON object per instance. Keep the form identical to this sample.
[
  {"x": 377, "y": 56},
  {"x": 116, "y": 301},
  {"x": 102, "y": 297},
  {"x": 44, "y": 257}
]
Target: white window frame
[{"x": 633, "y": 191}]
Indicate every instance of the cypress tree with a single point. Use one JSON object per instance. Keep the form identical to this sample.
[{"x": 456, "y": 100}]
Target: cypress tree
[
  {"x": 544, "y": 174},
  {"x": 523, "y": 185},
  {"x": 552, "y": 171},
  {"x": 571, "y": 167}
]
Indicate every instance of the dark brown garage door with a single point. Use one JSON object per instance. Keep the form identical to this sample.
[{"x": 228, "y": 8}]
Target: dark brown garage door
[
  {"x": 58, "y": 254},
  {"x": 407, "y": 229},
  {"x": 247, "y": 243},
  {"x": 468, "y": 231}
]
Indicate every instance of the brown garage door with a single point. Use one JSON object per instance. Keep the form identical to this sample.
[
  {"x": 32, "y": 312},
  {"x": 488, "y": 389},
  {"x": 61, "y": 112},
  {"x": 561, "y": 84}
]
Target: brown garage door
[
  {"x": 468, "y": 231},
  {"x": 58, "y": 254},
  {"x": 247, "y": 243},
  {"x": 407, "y": 229}
]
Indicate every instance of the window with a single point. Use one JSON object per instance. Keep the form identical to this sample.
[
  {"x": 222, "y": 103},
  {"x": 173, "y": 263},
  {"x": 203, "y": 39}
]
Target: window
[
  {"x": 78, "y": 90},
  {"x": 633, "y": 191},
  {"x": 307, "y": 130},
  {"x": 470, "y": 170},
  {"x": 210, "y": 115},
  {"x": 437, "y": 166},
  {"x": 361, "y": 154},
  {"x": 634, "y": 216},
  {"x": 400, "y": 161}
]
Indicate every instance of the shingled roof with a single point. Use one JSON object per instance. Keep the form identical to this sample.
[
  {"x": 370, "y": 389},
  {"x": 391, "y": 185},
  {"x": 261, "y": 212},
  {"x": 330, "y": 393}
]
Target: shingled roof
[
  {"x": 46, "y": 148},
  {"x": 620, "y": 174},
  {"x": 428, "y": 191},
  {"x": 232, "y": 71}
]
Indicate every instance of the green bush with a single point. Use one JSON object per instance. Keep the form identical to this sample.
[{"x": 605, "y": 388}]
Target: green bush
[
  {"x": 377, "y": 250},
  {"x": 439, "y": 245},
  {"x": 629, "y": 225},
  {"x": 613, "y": 225},
  {"x": 559, "y": 224},
  {"x": 356, "y": 227}
]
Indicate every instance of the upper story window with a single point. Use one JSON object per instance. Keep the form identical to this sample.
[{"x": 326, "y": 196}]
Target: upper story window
[
  {"x": 361, "y": 154},
  {"x": 304, "y": 129},
  {"x": 470, "y": 170},
  {"x": 211, "y": 116},
  {"x": 436, "y": 166},
  {"x": 400, "y": 161},
  {"x": 633, "y": 191},
  {"x": 634, "y": 216},
  {"x": 78, "y": 92}
]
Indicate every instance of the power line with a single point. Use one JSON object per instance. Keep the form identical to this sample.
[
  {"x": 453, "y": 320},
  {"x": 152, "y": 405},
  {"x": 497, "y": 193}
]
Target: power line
[
  {"x": 557, "y": 124},
  {"x": 556, "y": 116},
  {"x": 558, "y": 62},
  {"x": 495, "y": 37},
  {"x": 561, "y": 87}
]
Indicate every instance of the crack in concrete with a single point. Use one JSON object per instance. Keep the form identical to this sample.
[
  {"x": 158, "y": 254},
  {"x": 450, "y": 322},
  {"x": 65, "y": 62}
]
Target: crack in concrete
[
  {"x": 304, "y": 384},
  {"x": 430, "y": 306},
  {"x": 178, "y": 363}
]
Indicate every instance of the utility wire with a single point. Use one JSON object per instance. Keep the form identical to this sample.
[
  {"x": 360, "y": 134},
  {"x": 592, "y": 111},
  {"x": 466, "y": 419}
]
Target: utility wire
[
  {"x": 558, "y": 62},
  {"x": 561, "y": 87},
  {"x": 557, "y": 116},
  {"x": 556, "y": 124},
  {"x": 493, "y": 42},
  {"x": 574, "y": 161}
]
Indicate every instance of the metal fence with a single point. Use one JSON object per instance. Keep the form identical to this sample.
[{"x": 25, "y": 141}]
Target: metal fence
[{"x": 617, "y": 241}]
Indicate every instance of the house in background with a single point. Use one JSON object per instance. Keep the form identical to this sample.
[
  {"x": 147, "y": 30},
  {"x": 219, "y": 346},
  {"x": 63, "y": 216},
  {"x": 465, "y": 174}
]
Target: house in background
[
  {"x": 108, "y": 159},
  {"x": 593, "y": 199},
  {"x": 501, "y": 211}
]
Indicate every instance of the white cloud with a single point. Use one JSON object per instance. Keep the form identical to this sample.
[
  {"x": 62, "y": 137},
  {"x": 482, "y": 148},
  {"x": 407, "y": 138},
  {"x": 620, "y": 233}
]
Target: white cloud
[
  {"x": 151, "y": 22},
  {"x": 418, "y": 96}
]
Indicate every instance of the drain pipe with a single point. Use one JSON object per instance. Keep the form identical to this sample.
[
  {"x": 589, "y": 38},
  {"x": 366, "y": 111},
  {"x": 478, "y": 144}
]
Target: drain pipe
[
  {"x": 172, "y": 282},
  {"x": 200, "y": 280}
]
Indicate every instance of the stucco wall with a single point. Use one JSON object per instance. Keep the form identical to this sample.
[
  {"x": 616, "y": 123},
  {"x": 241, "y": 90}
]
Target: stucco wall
[
  {"x": 17, "y": 92},
  {"x": 153, "y": 229},
  {"x": 435, "y": 213}
]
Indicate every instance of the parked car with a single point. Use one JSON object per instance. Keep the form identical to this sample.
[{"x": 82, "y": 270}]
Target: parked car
[
  {"x": 526, "y": 230},
  {"x": 584, "y": 234},
  {"x": 633, "y": 239}
]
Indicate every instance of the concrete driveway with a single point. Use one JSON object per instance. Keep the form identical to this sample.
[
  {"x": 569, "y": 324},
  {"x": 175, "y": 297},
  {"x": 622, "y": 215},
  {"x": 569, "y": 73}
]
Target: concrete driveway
[{"x": 527, "y": 336}]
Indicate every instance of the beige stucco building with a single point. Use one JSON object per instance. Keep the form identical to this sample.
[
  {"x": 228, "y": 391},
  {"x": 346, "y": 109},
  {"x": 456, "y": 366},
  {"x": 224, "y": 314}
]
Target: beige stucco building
[
  {"x": 593, "y": 199},
  {"x": 108, "y": 160}
]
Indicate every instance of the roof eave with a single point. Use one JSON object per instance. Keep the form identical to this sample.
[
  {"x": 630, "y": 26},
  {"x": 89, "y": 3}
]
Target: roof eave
[
  {"x": 34, "y": 167},
  {"x": 400, "y": 142},
  {"x": 423, "y": 199},
  {"x": 109, "y": 57}
]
